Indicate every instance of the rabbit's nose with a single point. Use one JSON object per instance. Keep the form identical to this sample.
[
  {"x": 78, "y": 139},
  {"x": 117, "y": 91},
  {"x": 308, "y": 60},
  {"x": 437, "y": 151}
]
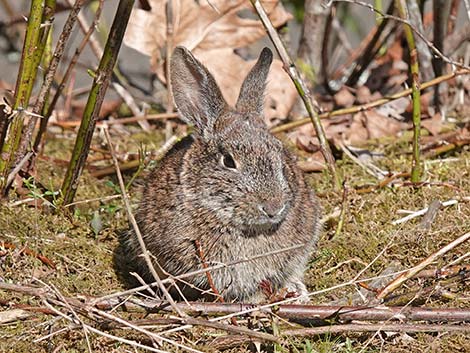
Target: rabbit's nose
[{"x": 271, "y": 208}]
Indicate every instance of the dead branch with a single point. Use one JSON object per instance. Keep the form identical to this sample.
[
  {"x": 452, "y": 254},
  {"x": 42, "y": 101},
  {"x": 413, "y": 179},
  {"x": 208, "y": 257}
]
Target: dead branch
[
  {"x": 397, "y": 282},
  {"x": 306, "y": 313},
  {"x": 370, "y": 50},
  {"x": 435, "y": 50},
  {"x": 414, "y": 328},
  {"x": 68, "y": 72},
  {"x": 129, "y": 120},
  {"x": 313, "y": 31}
]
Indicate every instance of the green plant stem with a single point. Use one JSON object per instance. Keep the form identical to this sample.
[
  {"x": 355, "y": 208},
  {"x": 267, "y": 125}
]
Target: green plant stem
[
  {"x": 303, "y": 91},
  {"x": 415, "y": 92},
  {"x": 50, "y": 73},
  {"x": 46, "y": 28},
  {"x": 379, "y": 6},
  {"x": 68, "y": 72},
  {"x": 46, "y": 60},
  {"x": 95, "y": 99},
  {"x": 24, "y": 84}
]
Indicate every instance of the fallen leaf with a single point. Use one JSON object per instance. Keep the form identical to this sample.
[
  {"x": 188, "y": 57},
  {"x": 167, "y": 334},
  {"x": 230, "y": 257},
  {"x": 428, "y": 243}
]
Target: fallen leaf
[
  {"x": 433, "y": 125},
  {"x": 363, "y": 95},
  {"x": 344, "y": 98},
  {"x": 395, "y": 108},
  {"x": 312, "y": 164},
  {"x": 371, "y": 125},
  {"x": 213, "y": 36},
  {"x": 198, "y": 26}
]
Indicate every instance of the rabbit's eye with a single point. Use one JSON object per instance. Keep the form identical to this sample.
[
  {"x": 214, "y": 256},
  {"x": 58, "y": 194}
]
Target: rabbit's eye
[{"x": 228, "y": 162}]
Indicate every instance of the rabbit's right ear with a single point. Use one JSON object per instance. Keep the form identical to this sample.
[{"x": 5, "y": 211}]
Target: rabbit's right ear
[{"x": 196, "y": 94}]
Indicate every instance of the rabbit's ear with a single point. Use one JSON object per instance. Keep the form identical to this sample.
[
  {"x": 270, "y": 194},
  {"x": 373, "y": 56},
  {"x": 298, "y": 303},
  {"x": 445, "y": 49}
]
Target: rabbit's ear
[
  {"x": 196, "y": 94},
  {"x": 251, "y": 98}
]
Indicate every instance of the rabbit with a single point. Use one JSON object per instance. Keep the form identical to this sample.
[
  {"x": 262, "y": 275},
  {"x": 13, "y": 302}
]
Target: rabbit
[{"x": 230, "y": 191}]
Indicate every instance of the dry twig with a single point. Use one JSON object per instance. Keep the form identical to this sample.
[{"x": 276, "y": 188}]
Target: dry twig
[
  {"x": 397, "y": 282},
  {"x": 409, "y": 328},
  {"x": 133, "y": 222}
]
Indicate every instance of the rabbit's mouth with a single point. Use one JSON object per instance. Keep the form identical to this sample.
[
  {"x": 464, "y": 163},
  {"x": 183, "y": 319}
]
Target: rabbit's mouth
[
  {"x": 266, "y": 228},
  {"x": 263, "y": 224}
]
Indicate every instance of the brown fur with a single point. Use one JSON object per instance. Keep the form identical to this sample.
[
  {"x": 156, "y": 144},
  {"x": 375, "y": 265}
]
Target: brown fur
[{"x": 261, "y": 205}]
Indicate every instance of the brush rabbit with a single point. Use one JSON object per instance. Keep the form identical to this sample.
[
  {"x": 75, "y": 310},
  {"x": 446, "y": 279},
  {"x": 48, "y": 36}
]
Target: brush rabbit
[{"x": 230, "y": 191}]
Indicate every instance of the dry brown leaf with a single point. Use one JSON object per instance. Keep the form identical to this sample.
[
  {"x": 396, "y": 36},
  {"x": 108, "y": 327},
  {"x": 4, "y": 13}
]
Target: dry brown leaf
[
  {"x": 307, "y": 143},
  {"x": 370, "y": 125},
  {"x": 363, "y": 95},
  {"x": 344, "y": 98},
  {"x": 315, "y": 163},
  {"x": 213, "y": 37},
  {"x": 198, "y": 26},
  {"x": 433, "y": 125}
]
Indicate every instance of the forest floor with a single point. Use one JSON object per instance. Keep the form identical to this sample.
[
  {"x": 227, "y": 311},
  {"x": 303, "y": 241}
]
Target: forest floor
[{"x": 82, "y": 246}]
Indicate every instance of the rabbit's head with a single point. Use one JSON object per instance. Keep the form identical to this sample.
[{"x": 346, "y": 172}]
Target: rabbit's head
[{"x": 235, "y": 170}]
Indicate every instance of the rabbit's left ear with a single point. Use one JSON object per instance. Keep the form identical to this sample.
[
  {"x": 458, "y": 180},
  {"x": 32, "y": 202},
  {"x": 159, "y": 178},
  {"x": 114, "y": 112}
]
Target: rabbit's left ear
[{"x": 251, "y": 98}]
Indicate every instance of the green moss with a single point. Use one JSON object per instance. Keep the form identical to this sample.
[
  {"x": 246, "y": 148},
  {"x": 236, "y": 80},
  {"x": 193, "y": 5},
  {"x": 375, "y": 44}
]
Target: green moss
[{"x": 84, "y": 256}]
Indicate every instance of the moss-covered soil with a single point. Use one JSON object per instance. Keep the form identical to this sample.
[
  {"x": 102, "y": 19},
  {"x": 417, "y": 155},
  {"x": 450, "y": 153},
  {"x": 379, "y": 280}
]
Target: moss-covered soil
[{"x": 82, "y": 245}]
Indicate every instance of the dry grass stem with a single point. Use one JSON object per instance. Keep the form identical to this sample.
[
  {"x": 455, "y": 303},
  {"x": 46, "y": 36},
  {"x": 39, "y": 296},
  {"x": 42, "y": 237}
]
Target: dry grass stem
[
  {"x": 397, "y": 282},
  {"x": 133, "y": 222},
  {"x": 423, "y": 211},
  {"x": 390, "y": 328}
]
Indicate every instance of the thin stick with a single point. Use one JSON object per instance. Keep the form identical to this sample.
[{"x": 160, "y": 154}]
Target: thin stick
[
  {"x": 11, "y": 176},
  {"x": 304, "y": 312},
  {"x": 131, "y": 217},
  {"x": 129, "y": 120},
  {"x": 121, "y": 88},
  {"x": 104, "y": 334},
  {"x": 369, "y": 51},
  {"x": 397, "y": 282},
  {"x": 205, "y": 266},
  {"x": 142, "y": 330},
  {"x": 423, "y": 212},
  {"x": 311, "y": 106},
  {"x": 69, "y": 307},
  {"x": 54, "y": 64},
  {"x": 410, "y": 328},
  {"x": 368, "y": 106},
  {"x": 65, "y": 78},
  {"x": 95, "y": 100}
]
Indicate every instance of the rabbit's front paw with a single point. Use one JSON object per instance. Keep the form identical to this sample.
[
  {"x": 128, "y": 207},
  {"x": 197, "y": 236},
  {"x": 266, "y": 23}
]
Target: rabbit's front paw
[{"x": 298, "y": 289}]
